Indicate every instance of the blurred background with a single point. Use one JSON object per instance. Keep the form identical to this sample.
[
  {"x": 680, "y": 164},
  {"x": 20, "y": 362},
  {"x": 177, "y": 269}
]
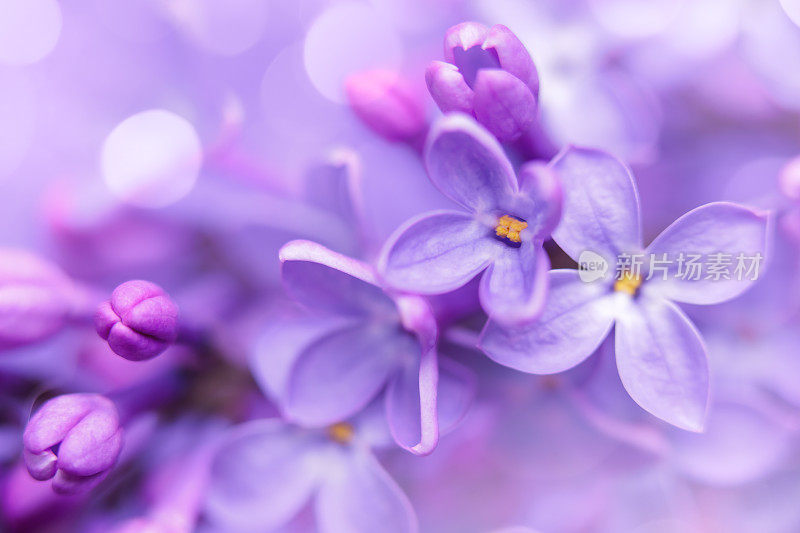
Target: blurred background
[{"x": 180, "y": 141}]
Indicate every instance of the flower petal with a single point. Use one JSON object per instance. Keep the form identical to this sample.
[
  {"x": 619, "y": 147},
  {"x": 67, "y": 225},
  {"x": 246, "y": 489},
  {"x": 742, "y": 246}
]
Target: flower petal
[
  {"x": 574, "y": 321},
  {"x": 513, "y": 55},
  {"x": 327, "y": 282},
  {"x": 261, "y": 477},
  {"x": 601, "y": 205},
  {"x": 540, "y": 198},
  {"x": 360, "y": 496},
  {"x": 448, "y": 88},
  {"x": 662, "y": 362},
  {"x": 468, "y": 165},
  {"x": 337, "y": 375},
  {"x": 719, "y": 227},
  {"x": 437, "y": 252},
  {"x": 457, "y": 387},
  {"x": 503, "y": 104},
  {"x": 514, "y": 288},
  {"x": 411, "y": 404}
]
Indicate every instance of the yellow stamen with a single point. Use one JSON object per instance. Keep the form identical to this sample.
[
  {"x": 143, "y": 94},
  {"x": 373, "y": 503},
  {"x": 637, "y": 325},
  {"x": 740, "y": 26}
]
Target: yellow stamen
[
  {"x": 341, "y": 432},
  {"x": 629, "y": 283},
  {"x": 509, "y": 227}
]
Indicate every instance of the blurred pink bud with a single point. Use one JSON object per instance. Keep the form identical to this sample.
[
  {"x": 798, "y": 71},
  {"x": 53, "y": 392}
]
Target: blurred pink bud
[{"x": 387, "y": 103}]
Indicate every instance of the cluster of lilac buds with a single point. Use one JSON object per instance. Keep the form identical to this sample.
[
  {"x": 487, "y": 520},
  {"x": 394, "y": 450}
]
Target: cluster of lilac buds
[{"x": 282, "y": 266}]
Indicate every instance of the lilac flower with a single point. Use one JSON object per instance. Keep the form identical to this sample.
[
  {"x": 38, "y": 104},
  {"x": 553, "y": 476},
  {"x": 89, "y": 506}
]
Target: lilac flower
[
  {"x": 268, "y": 470},
  {"x": 36, "y": 298},
  {"x": 489, "y": 74},
  {"x": 388, "y": 104},
  {"x": 660, "y": 355},
  {"x": 360, "y": 342},
  {"x": 507, "y": 220},
  {"x": 139, "y": 322},
  {"x": 74, "y": 440}
]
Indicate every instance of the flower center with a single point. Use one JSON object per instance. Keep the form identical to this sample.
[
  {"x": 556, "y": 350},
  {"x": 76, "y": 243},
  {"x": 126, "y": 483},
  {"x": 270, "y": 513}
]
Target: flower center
[
  {"x": 341, "y": 432},
  {"x": 509, "y": 228},
  {"x": 628, "y": 283}
]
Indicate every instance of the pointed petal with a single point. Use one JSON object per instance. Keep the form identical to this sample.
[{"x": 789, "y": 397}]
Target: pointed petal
[
  {"x": 514, "y": 288},
  {"x": 340, "y": 373},
  {"x": 411, "y": 404},
  {"x": 360, "y": 496},
  {"x": 662, "y": 362},
  {"x": 503, "y": 104},
  {"x": 437, "y": 252},
  {"x": 513, "y": 55},
  {"x": 463, "y": 36},
  {"x": 448, "y": 88},
  {"x": 540, "y": 199},
  {"x": 574, "y": 321},
  {"x": 719, "y": 227},
  {"x": 327, "y": 282},
  {"x": 457, "y": 388},
  {"x": 601, "y": 205},
  {"x": 261, "y": 477},
  {"x": 468, "y": 165}
]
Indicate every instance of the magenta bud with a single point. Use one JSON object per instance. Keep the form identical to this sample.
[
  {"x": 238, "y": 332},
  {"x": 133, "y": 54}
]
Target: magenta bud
[
  {"x": 789, "y": 179},
  {"x": 490, "y": 75},
  {"x": 35, "y": 298},
  {"x": 387, "y": 103},
  {"x": 74, "y": 440},
  {"x": 139, "y": 322}
]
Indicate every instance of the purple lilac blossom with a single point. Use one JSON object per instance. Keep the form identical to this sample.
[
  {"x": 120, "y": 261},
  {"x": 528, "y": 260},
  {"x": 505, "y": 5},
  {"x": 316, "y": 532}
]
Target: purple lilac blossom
[
  {"x": 74, "y": 440},
  {"x": 139, "y": 322},
  {"x": 660, "y": 354},
  {"x": 187, "y": 142},
  {"x": 508, "y": 216}
]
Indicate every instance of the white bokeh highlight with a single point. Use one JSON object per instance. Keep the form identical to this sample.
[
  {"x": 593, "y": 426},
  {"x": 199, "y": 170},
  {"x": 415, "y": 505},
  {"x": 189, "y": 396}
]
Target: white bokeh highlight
[
  {"x": 152, "y": 159},
  {"x": 29, "y": 30},
  {"x": 345, "y": 39}
]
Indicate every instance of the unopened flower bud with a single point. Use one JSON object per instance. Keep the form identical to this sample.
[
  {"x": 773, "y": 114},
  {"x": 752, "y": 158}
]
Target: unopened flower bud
[
  {"x": 139, "y": 322},
  {"x": 489, "y": 74},
  {"x": 387, "y": 103},
  {"x": 35, "y": 298},
  {"x": 74, "y": 440}
]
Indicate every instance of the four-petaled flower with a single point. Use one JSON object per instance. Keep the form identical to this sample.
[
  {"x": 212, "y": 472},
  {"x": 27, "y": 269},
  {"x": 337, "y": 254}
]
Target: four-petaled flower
[
  {"x": 507, "y": 220},
  {"x": 660, "y": 355}
]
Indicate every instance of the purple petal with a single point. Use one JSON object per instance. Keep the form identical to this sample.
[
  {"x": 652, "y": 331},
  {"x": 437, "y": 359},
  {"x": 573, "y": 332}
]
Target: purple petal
[
  {"x": 340, "y": 373},
  {"x": 448, "y": 88},
  {"x": 719, "y": 227},
  {"x": 540, "y": 198},
  {"x": 437, "y": 252},
  {"x": 411, "y": 404},
  {"x": 463, "y": 36},
  {"x": 662, "y": 362},
  {"x": 513, "y": 56},
  {"x": 51, "y": 423},
  {"x": 503, "y": 104},
  {"x": 601, "y": 205},
  {"x": 335, "y": 186},
  {"x": 514, "y": 288},
  {"x": 92, "y": 445},
  {"x": 262, "y": 477},
  {"x": 327, "y": 282},
  {"x": 360, "y": 496},
  {"x": 574, "y": 321},
  {"x": 468, "y": 165}
]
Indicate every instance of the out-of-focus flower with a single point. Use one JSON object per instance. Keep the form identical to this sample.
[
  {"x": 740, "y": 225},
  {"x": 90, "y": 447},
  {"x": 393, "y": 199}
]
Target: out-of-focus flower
[
  {"x": 789, "y": 179},
  {"x": 660, "y": 354},
  {"x": 489, "y": 74},
  {"x": 508, "y": 219},
  {"x": 361, "y": 342},
  {"x": 387, "y": 103},
  {"x": 268, "y": 470},
  {"x": 36, "y": 298},
  {"x": 74, "y": 440},
  {"x": 139, "y": 322}
]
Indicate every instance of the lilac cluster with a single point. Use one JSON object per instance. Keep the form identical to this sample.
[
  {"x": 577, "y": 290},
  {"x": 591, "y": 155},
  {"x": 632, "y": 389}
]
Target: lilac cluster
[{"x": 280, "y": 266}]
